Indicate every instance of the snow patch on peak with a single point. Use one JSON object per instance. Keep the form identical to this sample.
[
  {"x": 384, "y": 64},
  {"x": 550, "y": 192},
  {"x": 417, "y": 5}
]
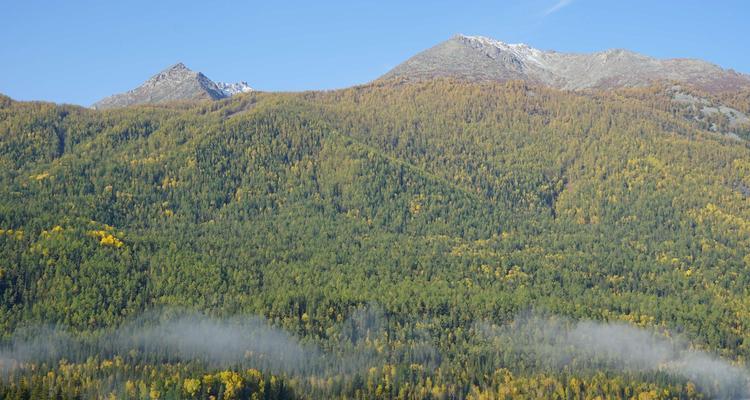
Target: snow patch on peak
[
  {"x": 230, "y": 89},
  {"x": 486, "y": 41},
  {"x": 522, "y": 51}
]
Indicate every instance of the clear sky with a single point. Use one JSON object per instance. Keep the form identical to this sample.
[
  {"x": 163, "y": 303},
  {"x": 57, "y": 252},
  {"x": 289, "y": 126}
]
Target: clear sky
[{"x": 79, "y": 51}]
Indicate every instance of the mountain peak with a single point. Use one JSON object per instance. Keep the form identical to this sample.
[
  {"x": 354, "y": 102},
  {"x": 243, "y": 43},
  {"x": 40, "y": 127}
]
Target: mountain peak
[
  {"x": 176, "y": 68},
  {"x": 179, "y": 66},
  {"x": 175, "y": 83},
  {"x": 481, "y": 58},
  {"x": 488, "y": 41}
]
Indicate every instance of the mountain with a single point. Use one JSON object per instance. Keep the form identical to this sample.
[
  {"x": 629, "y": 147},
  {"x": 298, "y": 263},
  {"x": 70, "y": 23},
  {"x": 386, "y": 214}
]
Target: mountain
[
  {"x": 175, "y": 83},
  {"x": 477, "y": 58},
  {"x": 400, "y": 234},
  {"x": 411, "y": 239}
]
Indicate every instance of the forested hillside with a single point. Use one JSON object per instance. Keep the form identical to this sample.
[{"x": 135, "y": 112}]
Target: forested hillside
[{"x": 400, "y": 240}]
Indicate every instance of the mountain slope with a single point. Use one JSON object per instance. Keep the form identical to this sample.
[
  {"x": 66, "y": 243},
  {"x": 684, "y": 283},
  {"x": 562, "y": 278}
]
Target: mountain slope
[
  {"x": 175, "y": 83},
  {"x": 477, "y": 58},
  {"x": 452, "y": 206}
]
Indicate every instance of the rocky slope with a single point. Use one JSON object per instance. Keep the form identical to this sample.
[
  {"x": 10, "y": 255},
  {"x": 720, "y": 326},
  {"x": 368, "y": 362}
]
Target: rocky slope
[{"x": 477, "y": 58}]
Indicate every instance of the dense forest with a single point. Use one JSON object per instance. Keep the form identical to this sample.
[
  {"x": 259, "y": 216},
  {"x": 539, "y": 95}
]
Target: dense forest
[{"x": 430, "y": 240}]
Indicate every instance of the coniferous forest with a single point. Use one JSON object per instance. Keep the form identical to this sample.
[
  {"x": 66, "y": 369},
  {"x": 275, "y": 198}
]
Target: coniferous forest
[{"x": 430, "y": 240}]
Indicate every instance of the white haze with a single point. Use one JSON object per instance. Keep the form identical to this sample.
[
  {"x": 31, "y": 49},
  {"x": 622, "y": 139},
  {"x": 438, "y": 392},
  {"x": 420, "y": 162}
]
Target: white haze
[
  {"x": 220, "y": 342},
  {"x": 545, "y": 344},
  {"x": 554, "y": 344},
  {"x": 250, "y": 341},
  {"x": 30, "y": 345}
]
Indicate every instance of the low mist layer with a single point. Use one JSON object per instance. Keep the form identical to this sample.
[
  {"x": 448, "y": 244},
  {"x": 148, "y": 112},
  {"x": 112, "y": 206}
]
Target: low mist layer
[
  {"x": 249, "y": 341},
  {"x": 556, "y": 344},
  {"x": 547, "y": 344}
]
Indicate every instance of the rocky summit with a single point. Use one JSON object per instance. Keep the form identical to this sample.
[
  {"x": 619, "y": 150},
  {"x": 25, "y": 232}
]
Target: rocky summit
[{"x": 176, "y": 83}]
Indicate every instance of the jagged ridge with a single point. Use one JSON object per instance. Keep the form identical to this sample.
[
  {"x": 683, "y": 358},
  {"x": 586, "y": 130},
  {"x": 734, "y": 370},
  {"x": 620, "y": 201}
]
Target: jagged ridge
[{"x": 478, "y": 58}]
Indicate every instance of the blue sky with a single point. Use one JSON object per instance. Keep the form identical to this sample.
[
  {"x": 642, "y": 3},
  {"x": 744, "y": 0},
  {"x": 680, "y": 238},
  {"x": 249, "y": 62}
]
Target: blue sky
[{"x": 79, "y": 51}]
